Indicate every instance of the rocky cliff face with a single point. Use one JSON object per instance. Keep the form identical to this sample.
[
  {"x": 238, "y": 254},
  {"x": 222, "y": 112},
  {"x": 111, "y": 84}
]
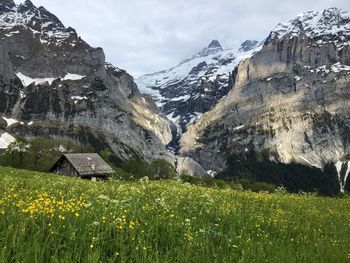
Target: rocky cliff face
[
  {"x": 57, "y": 85},
  {"x": 291, "y": 98}
]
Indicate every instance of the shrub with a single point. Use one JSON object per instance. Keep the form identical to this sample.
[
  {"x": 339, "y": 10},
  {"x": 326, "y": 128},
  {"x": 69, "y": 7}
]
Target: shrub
[
  {"x": 221, "y": 183},
  {"x": 262, "y": 187},
  {"x": 106, "y": 154},
  {"x": 161, "y": 169},
  {"x": 16, "y": 152},
  {"x": 208, "y": 180},
  {"x": 120, "y": 174},
  {"x": 187, "y": 178},
  {"x": 281, "y": 190},
  {"x": 244, "y": 182},
  {"x": 138, "y": 169}
]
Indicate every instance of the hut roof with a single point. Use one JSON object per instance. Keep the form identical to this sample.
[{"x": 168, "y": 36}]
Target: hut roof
[{"x": 88, "y": 164}]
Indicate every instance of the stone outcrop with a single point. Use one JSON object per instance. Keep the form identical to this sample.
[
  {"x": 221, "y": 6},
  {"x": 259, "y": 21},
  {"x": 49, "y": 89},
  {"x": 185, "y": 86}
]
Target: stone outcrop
[{"x": 186, "y": 165}]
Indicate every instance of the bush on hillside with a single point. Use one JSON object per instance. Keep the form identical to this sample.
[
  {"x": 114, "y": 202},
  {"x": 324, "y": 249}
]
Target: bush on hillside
[
  {"x": 191, "y": 179},
  {"x": 137, "y": 169},
  {"x": 158, "y": 169},
  {"x": 262, "y": 187},
  {"x": 161, "y": 169},
  {"x": 221, "y": 183}
]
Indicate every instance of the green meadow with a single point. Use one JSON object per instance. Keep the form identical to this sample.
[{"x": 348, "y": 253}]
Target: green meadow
[{"x": 49, "y": 218}]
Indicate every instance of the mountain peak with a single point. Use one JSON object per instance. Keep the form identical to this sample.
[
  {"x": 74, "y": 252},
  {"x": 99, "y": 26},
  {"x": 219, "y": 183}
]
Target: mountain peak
[
  {"x": 28, "y": 3},
  {"x": 6, "y": 5},
  {"x": 331, "y": 15},
  {"x": 215, "y": 44},
  {"x": 331, "y": 10},
  {"x": 26, "y": 6},
  {"x": 213, "y": 47},
  {"x": 248, "y": 45},
  {"x": 38, "y": 20}
]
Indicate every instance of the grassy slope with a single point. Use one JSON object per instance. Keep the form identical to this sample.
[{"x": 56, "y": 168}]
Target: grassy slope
[{"x": 47, "y": 218}]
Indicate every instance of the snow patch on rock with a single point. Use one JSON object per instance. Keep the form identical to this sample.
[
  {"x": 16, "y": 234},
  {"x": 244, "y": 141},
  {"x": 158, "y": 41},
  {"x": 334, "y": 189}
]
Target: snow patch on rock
[
  {"x": 342, "y": 182},
  {"x": 309, "y": 163},
  {"x": 10, "y": 121},
  {"x": 338, "y": 67},
  {"x": 70, "y": 76},
  {"x": 26, "y": 81},
  {"x": 5, "y": 140}
]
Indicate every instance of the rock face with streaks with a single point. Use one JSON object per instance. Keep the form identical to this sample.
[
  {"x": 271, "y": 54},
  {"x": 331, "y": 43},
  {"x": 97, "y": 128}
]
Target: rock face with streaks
[
  {"x": 186, "y": 165},
  {"x": 57, "y": 85},
  {"x": 291, "y": 98}
]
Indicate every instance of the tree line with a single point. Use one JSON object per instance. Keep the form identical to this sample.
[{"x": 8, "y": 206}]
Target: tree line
[
  {"x": 252, "y": 171},
  {"x": 40, "y": 154},
  {"x": 249, "y": 168}
]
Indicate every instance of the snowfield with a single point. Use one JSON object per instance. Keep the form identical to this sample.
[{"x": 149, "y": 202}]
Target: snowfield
[
  {"x": 10, "y": 121},
  {"x": 26, "y": 81}
]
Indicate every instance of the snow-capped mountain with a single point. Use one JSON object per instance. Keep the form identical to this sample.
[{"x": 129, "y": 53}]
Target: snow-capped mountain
[
  {"x": 329, "y": 26},
  {"x": 54, "y": 84},
  {"x": 186, "y": 91},
  {"x": 42, "y": 23},
  {"x": 290, "y": 99}
]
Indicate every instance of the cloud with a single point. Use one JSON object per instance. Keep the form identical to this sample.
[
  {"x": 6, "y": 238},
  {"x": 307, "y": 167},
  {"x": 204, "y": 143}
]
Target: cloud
[{"x": 147, "y": 36}]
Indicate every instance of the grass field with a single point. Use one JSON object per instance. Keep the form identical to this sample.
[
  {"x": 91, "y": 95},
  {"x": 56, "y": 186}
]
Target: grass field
[{"x": 47, "y": 218}]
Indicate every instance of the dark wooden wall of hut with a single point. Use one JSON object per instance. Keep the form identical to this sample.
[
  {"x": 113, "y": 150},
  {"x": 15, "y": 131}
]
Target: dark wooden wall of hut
[{"x": 63, "y": 167}]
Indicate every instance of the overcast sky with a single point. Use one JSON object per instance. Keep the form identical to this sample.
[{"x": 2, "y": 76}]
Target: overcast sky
[{"x": 144, "y": 36}]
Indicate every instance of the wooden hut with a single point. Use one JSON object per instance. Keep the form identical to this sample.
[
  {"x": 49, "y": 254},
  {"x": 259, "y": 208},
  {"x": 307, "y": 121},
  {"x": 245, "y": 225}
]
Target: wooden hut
[{"x": 84, "y": 165}]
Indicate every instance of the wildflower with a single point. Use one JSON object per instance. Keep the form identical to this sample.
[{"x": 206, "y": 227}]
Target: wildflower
[
  {"x": 131, "y": 225},
  {"x": 104, "y": 197},
  {"x": 88, "y": 205},
  {"x": 188, "y": 237}
]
